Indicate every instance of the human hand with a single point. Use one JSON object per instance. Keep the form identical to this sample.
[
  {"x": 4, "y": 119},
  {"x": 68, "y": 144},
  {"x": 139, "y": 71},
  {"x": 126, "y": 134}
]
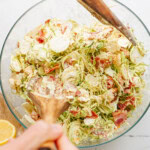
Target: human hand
[{"x": 36, "y": 135}]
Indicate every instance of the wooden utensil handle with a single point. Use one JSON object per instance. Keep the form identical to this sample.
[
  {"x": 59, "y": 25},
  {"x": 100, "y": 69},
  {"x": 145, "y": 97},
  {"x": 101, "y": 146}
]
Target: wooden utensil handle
[
  {"x": 49, "y": 145},
  {"x": 101, "y": 9}
]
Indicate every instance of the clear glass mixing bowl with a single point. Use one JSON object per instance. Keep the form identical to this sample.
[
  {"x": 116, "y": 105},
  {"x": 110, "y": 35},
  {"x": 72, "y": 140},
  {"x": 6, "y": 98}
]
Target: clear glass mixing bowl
[{"x": 69, "y": 9}]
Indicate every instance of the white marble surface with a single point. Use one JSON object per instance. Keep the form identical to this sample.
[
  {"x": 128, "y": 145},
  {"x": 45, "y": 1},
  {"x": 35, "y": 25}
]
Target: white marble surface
[{"x": 136, "y": 139}]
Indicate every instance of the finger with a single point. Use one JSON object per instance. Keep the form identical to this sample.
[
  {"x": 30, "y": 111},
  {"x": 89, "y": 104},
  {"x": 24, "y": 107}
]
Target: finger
[
  {"x": 64, "y": 144},
  {"x": 38, "y": 134}
]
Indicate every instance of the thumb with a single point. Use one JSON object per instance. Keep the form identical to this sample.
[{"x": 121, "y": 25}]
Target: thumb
[{"x": 64, "y": 144}]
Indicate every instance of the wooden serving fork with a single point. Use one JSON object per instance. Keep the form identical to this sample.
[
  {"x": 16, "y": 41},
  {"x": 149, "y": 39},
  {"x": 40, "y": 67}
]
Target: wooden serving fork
[{"x": 100, "y": 10}]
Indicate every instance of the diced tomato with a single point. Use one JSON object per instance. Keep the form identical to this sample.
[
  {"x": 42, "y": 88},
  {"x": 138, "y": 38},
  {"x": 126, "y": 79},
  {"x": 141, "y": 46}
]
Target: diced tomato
[
  {"x": 93, "y": 116},
  {"x": 42, "y": 33},
  {"x": 63, "y": 29},
  {"x": 52, "y": 69},
  {"x": 52, "y": 77},
  {"x": 74, "y": 112},
  {"x": 40, "y": 40},
  {"x": 47, "y": 21},
  {"x": 120, "y": 117},
  {"x": 78, "y": 93},
  {"x": 110, "y": 82}
]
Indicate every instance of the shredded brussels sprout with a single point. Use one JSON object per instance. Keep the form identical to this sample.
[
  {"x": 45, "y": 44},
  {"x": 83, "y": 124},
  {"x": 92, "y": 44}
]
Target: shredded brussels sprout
[{"x": 95, "y": 68}]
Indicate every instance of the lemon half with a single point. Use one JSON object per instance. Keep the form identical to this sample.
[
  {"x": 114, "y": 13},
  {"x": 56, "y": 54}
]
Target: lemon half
[{"x": 7, "y": 131}]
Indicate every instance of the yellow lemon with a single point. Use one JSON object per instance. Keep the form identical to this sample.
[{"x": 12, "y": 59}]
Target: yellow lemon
[{"x": 7, "y": 131}]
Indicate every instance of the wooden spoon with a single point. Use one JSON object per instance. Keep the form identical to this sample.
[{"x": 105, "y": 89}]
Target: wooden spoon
[
  {"x": 100, "y": 10},
  {"x": 49, "y": 110}
]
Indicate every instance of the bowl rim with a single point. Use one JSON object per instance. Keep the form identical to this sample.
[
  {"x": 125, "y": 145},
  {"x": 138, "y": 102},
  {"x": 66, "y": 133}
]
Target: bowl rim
[{"x": 82, "y": 147}]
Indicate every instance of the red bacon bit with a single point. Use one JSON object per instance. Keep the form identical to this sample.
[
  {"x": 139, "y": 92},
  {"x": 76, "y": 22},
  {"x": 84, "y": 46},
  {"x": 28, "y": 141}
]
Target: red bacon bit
[
  {"x": 127, "y": 91},
  {"x": 102, "y": 62},
  {"x": 92, "y": 59},
  {"x": 122, "y": 106},
  {"x": 52, "y": 77},
  {"x": 120, "y": 117},
  {"x": 47, "y": 21},
  {"x": 63, "y": 29},
  {"x": 74, "y": 112},
  {"x": 131, "y": 84},
  {"x": 40, "y": 40},
  {"x": 119, "y": 35},
  {"x": 130, "y": 101},
  {"x": 110, "y": 82},
  {"x": 52, "y": 69},
  {"x": 75, "y": 33},
  {"x": 78, "y": 93},
  {"x": 93, "y": 116},
  {"x": 42, "y": 33}
]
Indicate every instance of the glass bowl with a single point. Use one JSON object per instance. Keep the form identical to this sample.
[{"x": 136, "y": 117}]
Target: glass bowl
[{"x": 69, "y": 9}]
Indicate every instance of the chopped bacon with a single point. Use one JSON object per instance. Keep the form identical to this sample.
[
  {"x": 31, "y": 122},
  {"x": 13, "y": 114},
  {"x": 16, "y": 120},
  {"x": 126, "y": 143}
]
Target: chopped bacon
[
  {"x": 42, "y": 33},
  {"x": 78, "y": 93},
  {"x": 92, "y": 59},
  {"x": 52, "y": 69},
  {"x": 130, "y": 101},
  {"x": 110, "y": 82},
  {"x": 93, "y": 116},
  {"x": 119, "y": 35},
  {"x": 63, "y": 29},
  {"x": 122, "y": 106},
  {"x": 131, "y": 84},
  {"x": 102, "y": 62},
  {"x": 47, "y": 21},
  {"x": 74, "y": 112},
  {"x": 127, "y": 91},
  {"x": 120, "y": 117},
  {"x": 40, "y": 40},
  {"x": 75, "y": 33},
  {"x": 52, "y": 77}
]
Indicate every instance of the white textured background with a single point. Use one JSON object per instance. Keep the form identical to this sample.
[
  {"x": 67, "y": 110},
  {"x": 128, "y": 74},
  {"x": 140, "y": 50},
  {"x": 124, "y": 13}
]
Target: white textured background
[{"x": 136, "y": 139}]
